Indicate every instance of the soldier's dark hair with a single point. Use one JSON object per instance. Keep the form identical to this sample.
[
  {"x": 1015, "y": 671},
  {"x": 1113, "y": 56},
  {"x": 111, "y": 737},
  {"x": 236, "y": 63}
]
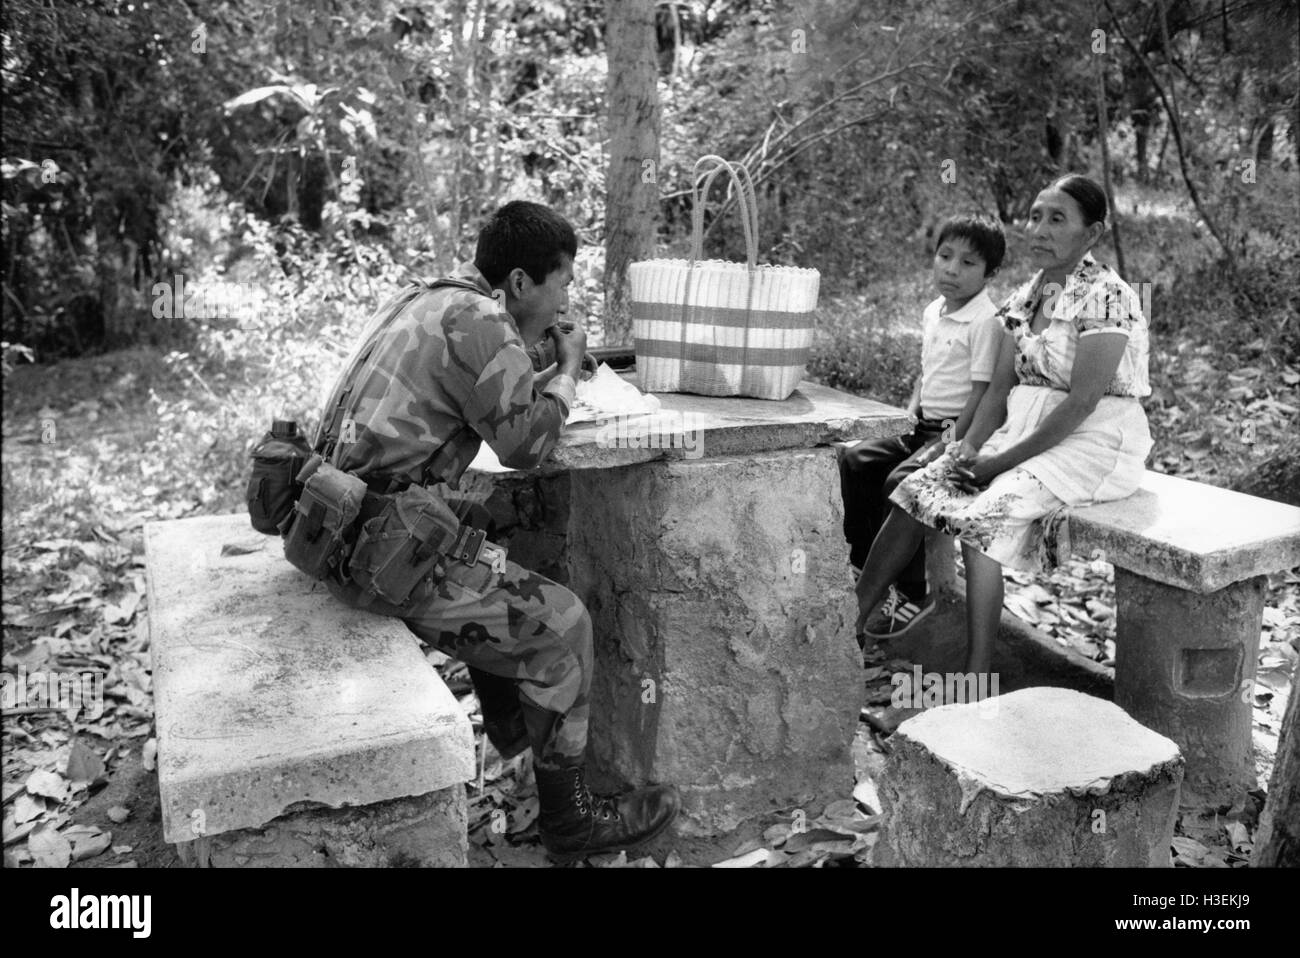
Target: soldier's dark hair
[
  {"x": 1088, "y": 193},
  {"x": 526, "y": 235},
  {"x": 984, "y": 234}
]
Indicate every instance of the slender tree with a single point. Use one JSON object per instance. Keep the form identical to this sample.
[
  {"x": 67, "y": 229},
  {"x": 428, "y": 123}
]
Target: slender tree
[
  {"x": 1278, "y": 842},
  {"x": 632, "y": 190}
]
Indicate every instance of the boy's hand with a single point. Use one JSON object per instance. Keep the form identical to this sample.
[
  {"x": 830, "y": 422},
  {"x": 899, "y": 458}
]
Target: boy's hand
[
  {"x": 974, "y": 476},
  {"x": 929, "y": 454}
]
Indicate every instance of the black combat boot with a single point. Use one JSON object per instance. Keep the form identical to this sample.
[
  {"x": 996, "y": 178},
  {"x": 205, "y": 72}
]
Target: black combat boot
[{"x": 574, "y": 823}]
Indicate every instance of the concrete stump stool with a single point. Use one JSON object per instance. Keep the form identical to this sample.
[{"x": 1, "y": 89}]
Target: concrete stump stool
[
  {"x": 292, "y": 730},
  {"x": 1040, "y": 777}
]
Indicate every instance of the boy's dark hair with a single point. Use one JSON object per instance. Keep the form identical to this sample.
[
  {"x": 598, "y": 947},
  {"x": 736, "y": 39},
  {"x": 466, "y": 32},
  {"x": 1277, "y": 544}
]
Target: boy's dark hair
[
  {"x": 984, "y": 234},
  {"x": 1088, "y": 193},
  {"x": 526, "y": 235}
]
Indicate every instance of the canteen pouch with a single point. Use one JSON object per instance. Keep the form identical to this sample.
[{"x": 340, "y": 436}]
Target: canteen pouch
[
  {"x": 405, "y": 544},
  {"x": 272, "y": 490},
  {"x": 273, "y": 486},
  {"x": 319, "y": 529}
]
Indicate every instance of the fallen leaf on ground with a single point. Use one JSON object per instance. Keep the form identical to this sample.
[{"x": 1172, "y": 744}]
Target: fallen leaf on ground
[
  {"x": 1239, "y": 836},
  {"x": 118, "y": 814},
  {"x": 759, "y": 856},
  {"x": 84, "y": 764},
  {"x": 49, "y": 848},
  {"x": 41, "y": 620},
  {"x": 14, "y": 832},
  {"x": 865, "y": 794},
  {"x": 149, "y": 757},
  {"x": 27, "y": 808},
  {"x": 523, "y": 816},
  {"x": 124, "y": 611},
  {"x": 844, "y": 808},
  {"x": 1021, "y": 606},
  {"x": 1189, "y": 849},
  {"x": 814, "y": 837},
  {"x": 88, "y": 844},
  {"x": 777, "y": 834},
  {"x": 47, "y": 783}
]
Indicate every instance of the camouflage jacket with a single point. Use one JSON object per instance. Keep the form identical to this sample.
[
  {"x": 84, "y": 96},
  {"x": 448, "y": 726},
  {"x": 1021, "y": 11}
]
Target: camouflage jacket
[{"x": 437, "y": 371}]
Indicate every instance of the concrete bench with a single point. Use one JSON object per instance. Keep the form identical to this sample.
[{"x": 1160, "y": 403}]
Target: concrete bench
[
  {"x": 293, "y": 730},
  {"x": 1190, "y": 566}
]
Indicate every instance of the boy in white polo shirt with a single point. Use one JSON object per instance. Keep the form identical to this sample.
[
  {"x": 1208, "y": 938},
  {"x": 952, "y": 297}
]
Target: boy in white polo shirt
[{"x": 960, "y": 338}]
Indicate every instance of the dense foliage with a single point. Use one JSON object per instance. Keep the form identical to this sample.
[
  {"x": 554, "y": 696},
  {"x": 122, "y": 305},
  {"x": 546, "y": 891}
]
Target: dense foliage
[{"x": 386, "y": 131}]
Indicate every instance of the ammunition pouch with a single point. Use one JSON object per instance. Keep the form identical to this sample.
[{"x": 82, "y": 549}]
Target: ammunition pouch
[
  {"x": 413, "y": 537},
  {"x": 318, "y": 531}
]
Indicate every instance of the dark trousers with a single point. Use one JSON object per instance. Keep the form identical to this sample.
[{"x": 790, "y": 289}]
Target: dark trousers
[{"x": 869, "y": 472}]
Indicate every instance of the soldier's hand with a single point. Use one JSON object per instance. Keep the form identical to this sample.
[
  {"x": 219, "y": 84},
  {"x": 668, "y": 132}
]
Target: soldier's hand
[{"x": 570, "y": 345}]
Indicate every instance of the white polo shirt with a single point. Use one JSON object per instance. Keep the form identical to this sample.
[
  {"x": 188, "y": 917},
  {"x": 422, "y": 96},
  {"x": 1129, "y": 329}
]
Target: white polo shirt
[{"x": 956, "y": 349}]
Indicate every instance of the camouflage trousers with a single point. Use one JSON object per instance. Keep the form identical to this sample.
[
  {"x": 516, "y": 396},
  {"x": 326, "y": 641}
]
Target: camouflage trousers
[{"x": 517, "y": 625}]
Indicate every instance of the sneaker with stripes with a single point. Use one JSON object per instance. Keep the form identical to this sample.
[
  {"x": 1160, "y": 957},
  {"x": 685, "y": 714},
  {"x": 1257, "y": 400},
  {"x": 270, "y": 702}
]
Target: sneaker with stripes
[{"x": 896, "y": 615}]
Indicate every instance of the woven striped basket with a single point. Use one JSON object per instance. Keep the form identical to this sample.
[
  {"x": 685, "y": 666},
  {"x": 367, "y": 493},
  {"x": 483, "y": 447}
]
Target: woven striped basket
[{"x": 717, "y": 328}]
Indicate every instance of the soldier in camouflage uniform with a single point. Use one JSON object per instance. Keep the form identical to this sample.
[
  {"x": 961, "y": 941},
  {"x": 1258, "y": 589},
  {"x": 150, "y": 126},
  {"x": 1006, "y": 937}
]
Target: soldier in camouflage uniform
[{"x": 439, "y": 369}]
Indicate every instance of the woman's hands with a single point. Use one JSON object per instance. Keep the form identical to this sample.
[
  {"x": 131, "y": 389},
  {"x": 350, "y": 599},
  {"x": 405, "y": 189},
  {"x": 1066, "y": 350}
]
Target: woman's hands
[{"x": 972, "y": 472}]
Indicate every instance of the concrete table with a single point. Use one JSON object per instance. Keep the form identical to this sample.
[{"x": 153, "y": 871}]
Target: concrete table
[{"x": 706, "y": 541}]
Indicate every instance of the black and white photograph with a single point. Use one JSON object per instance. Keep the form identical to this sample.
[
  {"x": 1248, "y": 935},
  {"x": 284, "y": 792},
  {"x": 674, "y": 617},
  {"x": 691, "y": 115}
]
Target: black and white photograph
[{"x": 854, "y": 435}]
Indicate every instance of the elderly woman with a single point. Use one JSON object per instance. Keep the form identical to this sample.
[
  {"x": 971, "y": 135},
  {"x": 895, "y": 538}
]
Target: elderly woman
[{"x": 1060, "y": 425}]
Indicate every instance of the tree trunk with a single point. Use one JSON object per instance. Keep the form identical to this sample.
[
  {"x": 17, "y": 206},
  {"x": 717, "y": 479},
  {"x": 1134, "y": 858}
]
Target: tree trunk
[
  {"x": 1277, "y": 843},
  {"x": 1277, "y": 477},
  {"x": 1103, "y": 133},
  {"x": 631, "y": 183},
  {"x": 113, "y": 272}
]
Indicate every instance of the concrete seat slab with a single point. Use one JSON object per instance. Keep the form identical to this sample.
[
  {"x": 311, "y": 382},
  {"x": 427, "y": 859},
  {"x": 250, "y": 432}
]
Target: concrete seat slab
[
  {"x": 272, "y": 695},
  {"x": 1190, "y": 535}
]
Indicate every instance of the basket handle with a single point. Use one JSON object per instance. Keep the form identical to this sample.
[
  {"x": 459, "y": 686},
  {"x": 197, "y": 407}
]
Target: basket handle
[{"x": 745, "y": 198}]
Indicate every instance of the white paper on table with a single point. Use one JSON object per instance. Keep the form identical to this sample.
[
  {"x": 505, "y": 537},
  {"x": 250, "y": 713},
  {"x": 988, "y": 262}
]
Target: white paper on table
[
  {"x": 608, "y": 394},
  {"x": 605, "y": 394}
]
